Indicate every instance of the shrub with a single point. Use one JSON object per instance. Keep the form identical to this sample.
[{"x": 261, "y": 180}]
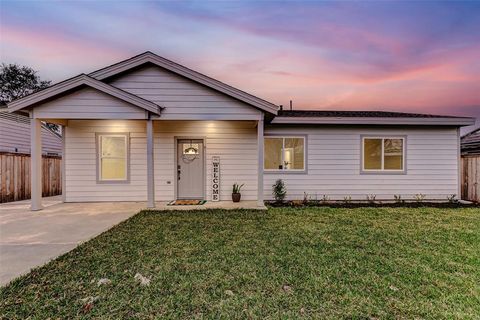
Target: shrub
[
  {"x": 371, "y": 198},
  {"x": 347, "y": 199},
  {"x": 325, "y": 198},
  {"x": 452, "y": 198},
  {"x": 419, "y": 197},
  {"x": 398, "y": 198},
  {"x": 306, "y": 198},
  {"x": 279, "y": 190}
]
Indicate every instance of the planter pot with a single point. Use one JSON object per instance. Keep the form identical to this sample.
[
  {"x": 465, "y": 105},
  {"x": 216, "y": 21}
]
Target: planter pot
[{"x": 236, "y": 197}]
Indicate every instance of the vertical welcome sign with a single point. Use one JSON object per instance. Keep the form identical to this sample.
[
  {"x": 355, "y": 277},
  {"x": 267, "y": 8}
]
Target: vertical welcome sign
[{"x": 215, "y": 178}]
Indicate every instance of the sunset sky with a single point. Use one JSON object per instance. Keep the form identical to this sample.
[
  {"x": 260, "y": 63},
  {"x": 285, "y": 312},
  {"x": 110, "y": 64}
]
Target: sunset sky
[{"x": 402, "y": 56}]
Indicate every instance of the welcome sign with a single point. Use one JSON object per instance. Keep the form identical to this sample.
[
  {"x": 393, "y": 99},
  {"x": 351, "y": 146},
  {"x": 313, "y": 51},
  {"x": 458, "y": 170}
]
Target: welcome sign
[{"x": 215, "y": 178}]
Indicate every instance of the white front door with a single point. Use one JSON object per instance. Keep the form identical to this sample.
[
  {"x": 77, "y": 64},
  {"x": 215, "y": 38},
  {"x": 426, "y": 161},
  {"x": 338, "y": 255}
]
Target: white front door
[{"x": 190, "y": 169}]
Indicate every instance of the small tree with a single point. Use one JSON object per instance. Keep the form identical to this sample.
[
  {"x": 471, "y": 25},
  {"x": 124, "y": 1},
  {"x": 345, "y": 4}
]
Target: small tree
[
  {"x": 19, "y": 81},
  {"x": 279, "y": 190}
]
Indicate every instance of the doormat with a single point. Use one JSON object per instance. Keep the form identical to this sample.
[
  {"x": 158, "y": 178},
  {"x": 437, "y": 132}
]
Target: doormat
[{"x": 186, "y": 202}]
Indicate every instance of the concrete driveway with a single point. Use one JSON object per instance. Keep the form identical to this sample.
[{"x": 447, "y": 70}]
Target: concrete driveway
[{"x": 30, "y": 239}]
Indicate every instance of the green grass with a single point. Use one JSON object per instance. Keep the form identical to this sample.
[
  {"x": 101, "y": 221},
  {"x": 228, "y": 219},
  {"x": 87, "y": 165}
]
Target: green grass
[{"x": 365, "y": 263}]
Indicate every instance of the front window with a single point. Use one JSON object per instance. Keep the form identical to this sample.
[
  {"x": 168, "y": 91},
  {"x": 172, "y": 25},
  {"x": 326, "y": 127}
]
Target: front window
[
  {"x": 284, "y": 153},
  {"x": 383, "y": 154},
  {"x": 112, "y": 157}
]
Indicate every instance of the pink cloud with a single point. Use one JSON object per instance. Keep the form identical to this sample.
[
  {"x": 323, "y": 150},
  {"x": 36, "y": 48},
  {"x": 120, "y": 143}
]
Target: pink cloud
[{"x": 53, "y": 50}]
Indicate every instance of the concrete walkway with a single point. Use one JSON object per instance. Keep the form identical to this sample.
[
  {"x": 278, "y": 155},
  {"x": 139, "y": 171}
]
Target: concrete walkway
[{"x": 31, "y": 238}]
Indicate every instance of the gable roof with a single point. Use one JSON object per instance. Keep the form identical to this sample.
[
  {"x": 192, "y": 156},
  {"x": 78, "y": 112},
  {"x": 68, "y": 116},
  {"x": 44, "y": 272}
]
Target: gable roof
[
  {"x": 76, "y": 82},
  {"x": 470, "y": 143},
  {"x": 149, "y": 57},
  {"x": 367, "y": 117}
]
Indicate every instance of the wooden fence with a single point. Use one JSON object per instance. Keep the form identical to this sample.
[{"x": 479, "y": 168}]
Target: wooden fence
[
  {"x": 471, "y": 178},
  {"x": 15, "y": 176}
]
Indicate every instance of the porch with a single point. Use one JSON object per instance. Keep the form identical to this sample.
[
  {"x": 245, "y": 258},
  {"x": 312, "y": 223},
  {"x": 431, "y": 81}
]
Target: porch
[{"x": 152, "y": 157}]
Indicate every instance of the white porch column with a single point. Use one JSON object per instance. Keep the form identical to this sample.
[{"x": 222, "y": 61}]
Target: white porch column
[
  {"x": 36, "y": 164},
  {"x": 64, "y": 159},
  {"x": 260, "y": 161},
  {"x": 150, "y": 176}
]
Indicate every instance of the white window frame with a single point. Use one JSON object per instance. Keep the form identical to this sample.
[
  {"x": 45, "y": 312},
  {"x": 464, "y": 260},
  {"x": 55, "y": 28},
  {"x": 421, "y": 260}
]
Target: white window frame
[
  {"x": 382, "y": 169},
  {"x": 98, "y": 137},
  {"x": 304, "y": 138}
]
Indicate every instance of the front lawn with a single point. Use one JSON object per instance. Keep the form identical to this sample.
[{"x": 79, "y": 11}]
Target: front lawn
[{"x": 364, "y": 263}]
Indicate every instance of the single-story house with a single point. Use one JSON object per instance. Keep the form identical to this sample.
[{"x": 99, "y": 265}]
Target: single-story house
[
  {"x": 470, "y": 143},
  {"x": 149, "y": 129},
  {"x": 15, "y": 135}
]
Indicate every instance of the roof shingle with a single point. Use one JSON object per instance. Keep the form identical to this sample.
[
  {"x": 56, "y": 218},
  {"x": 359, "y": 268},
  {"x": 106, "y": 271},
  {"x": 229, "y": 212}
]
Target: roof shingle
[{"x": 359, "y": 114}]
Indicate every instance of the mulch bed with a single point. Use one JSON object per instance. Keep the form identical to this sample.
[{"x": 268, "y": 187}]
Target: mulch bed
[{"x": 379, "y": 204}]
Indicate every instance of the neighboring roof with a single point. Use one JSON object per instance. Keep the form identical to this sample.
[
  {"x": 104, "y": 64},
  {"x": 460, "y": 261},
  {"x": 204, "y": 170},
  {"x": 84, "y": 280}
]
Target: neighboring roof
[
  {"x": 149, "y": 57},
  {"x": 20, "y": 118},
  {"x": 366, "y": 117},
  {"x": 470, "y": 143},
  {"x": 76, "y": 82},
  {"x": 15, "y": 134}
]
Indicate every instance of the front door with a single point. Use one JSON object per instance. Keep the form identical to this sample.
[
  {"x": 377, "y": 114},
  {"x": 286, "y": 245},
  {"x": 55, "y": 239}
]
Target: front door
[{"x": 190, "y": 166}]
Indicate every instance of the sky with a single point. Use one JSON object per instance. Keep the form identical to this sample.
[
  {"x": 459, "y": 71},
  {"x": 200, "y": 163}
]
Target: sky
[{"x": 400, "y": 56}]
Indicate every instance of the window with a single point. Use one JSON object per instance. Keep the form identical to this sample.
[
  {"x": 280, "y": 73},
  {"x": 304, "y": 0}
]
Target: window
[
  {"x": 383, "y": 154},
  {"x": 112, "y": 157},
  {"x": 284, "y": 153}
]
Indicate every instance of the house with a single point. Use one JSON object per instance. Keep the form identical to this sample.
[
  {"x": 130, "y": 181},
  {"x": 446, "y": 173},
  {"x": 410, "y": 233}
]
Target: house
[
  {"x": 470, "y": 143},
  {"x": 149, "y": 129},
  {"x": 15, "y": 135}
]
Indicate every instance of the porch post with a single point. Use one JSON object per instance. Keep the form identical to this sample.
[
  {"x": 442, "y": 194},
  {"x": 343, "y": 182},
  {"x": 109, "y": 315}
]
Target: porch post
[
  {"x": 64, "y": 159},
  {"x": 36, "y": 164},
  {"x": 150, "y": 176},
  {"x": 260, "y": 161},
  {"x": 459, "y": 165}
]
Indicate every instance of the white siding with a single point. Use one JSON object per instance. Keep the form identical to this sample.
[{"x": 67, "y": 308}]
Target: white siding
[
  {"x": 15, "y": 135},
  {"x": 234, "y": 141},
  {"x": 183, "y": 98},
  {"x": 80, "y": 162},
  {"x": 88, "y": 103},
  {"x": 334, "y": 156}
]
